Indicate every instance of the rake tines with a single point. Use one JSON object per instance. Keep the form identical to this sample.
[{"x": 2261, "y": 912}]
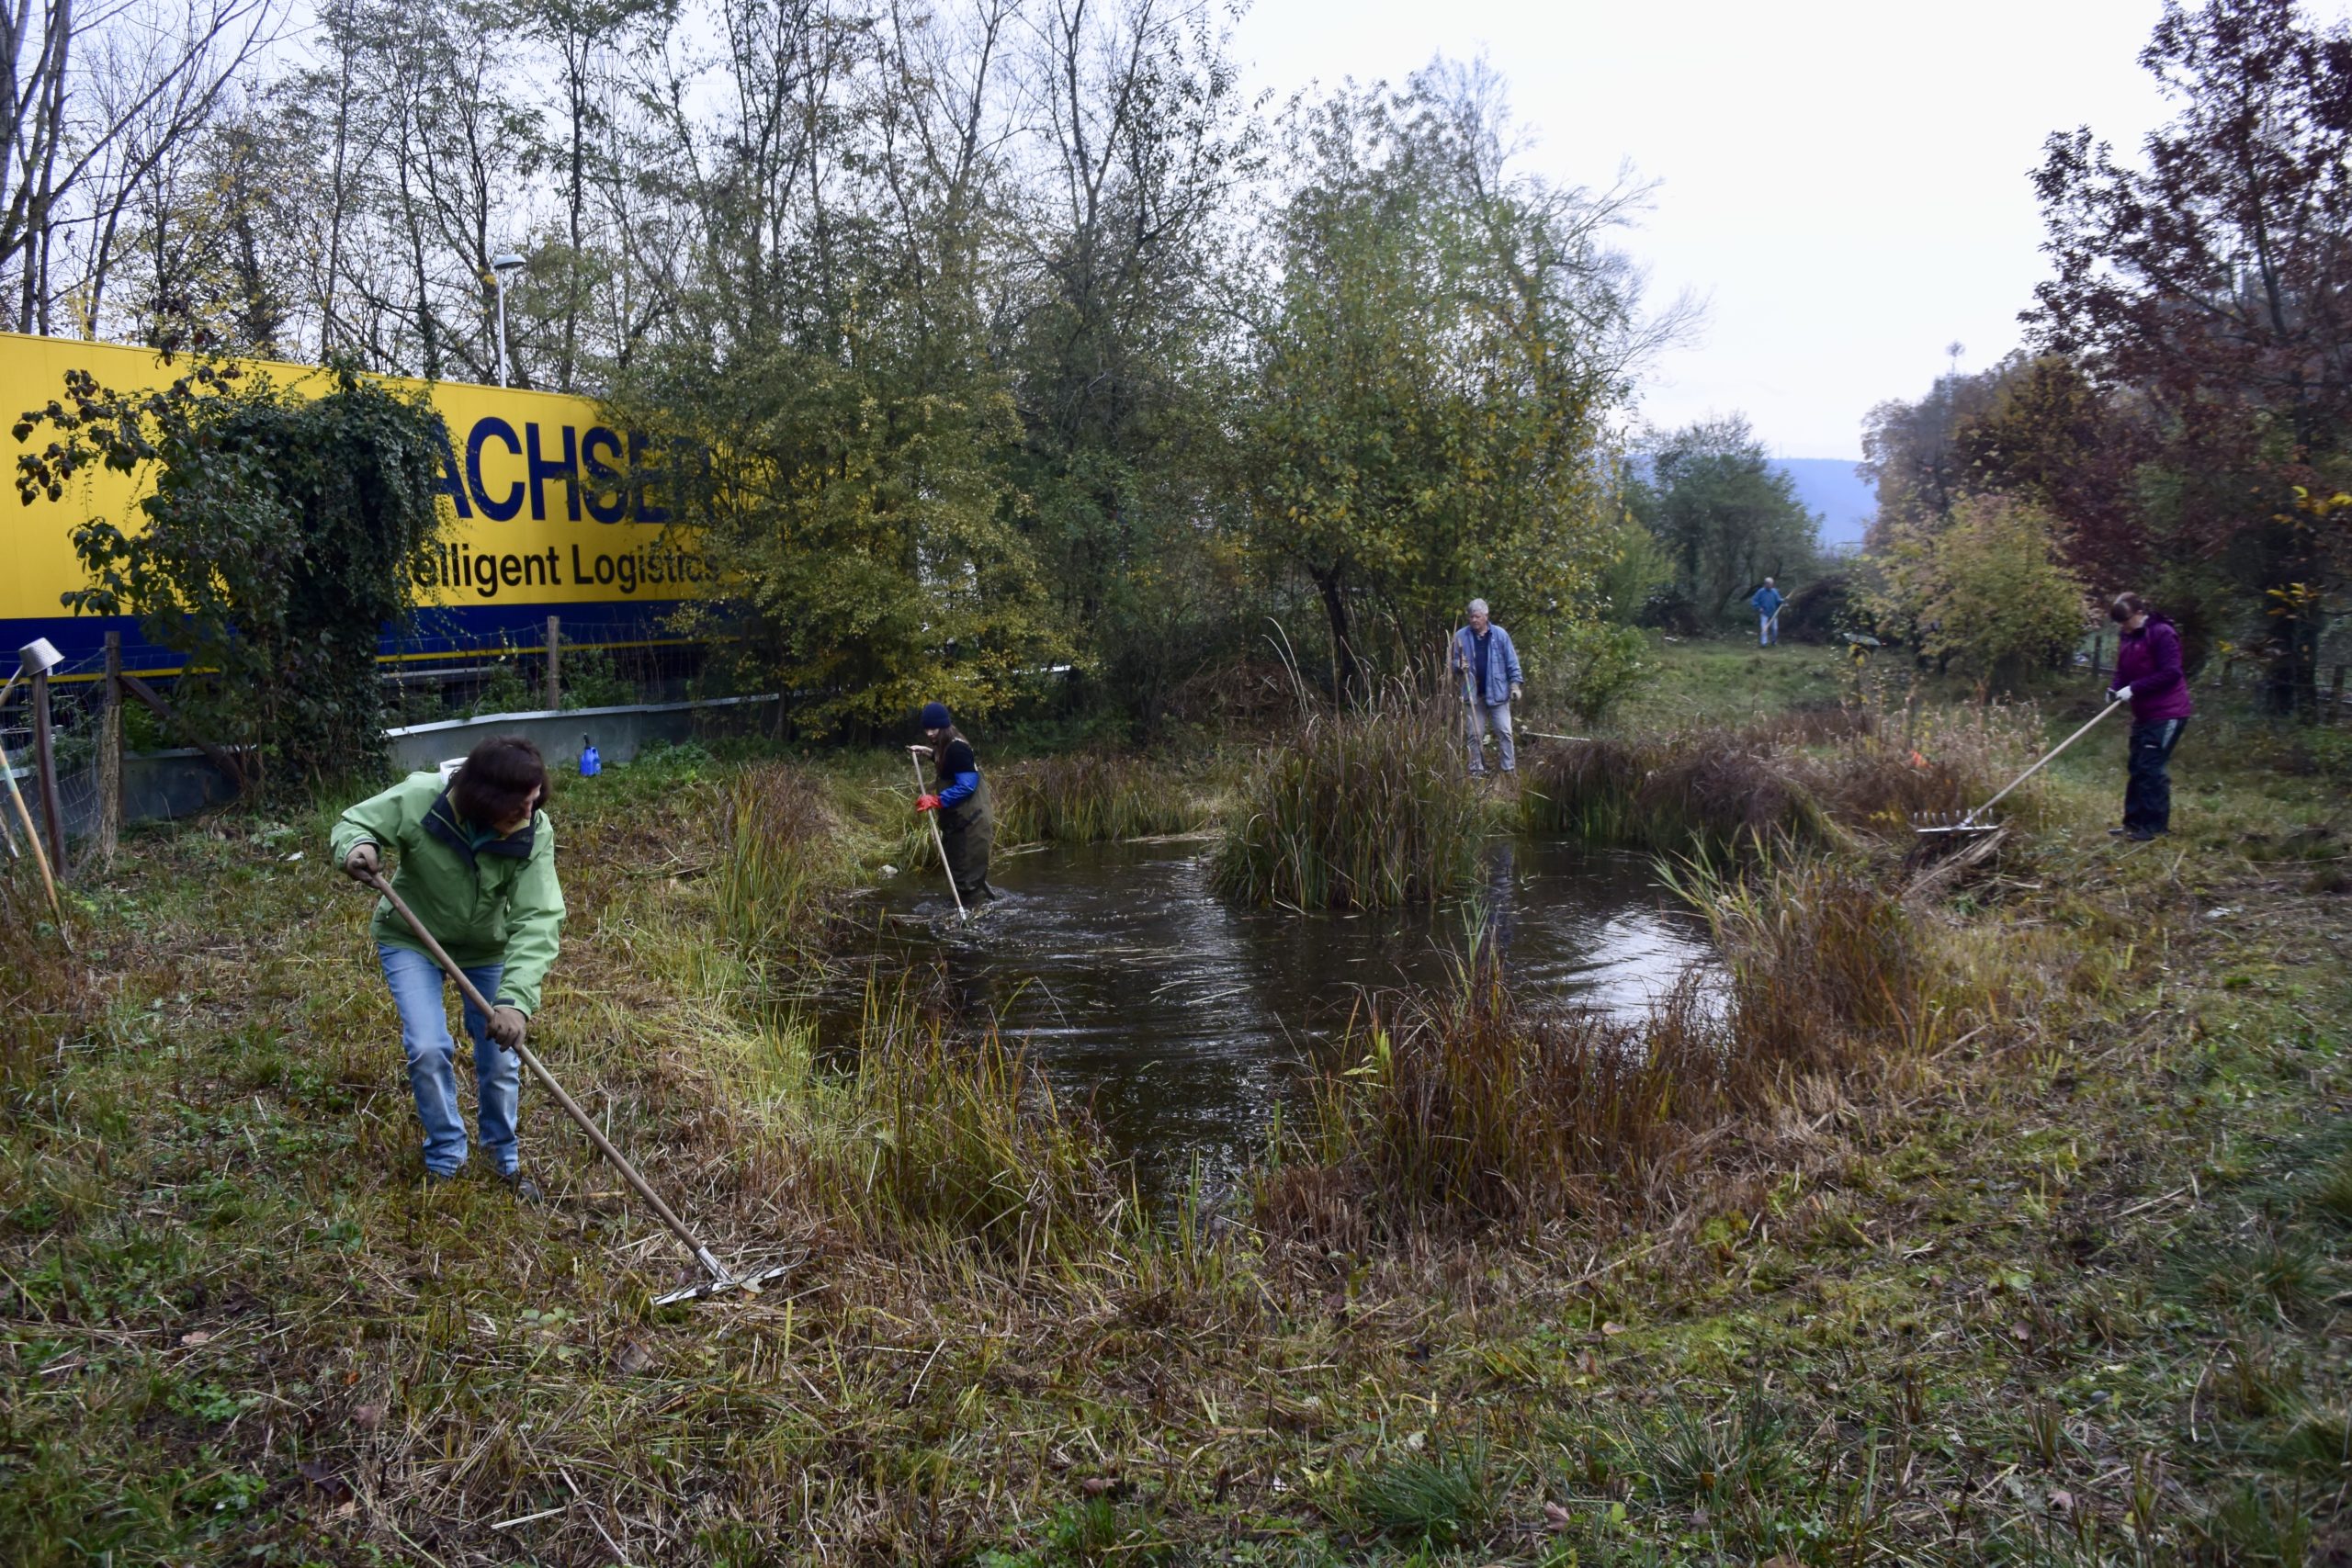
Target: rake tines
[{"x": 1947, "y": 822}]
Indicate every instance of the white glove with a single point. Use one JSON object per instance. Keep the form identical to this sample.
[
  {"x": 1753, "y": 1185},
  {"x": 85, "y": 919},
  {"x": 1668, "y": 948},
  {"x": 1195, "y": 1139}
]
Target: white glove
[
  {"x": 1515, "y": 693},
  {"x": 2122, "y": 694}
]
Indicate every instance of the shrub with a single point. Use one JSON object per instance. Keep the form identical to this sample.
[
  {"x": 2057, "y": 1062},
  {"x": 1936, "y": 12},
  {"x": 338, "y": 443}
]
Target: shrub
[
  {"x": 278, "y": 534},
  {"x": 1986, "y": 591},
  {"x": 1364, "y": 810}
]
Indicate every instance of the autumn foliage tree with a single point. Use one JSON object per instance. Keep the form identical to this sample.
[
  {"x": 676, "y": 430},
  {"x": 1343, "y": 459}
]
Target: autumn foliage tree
[
  {"x": 2211, "y": 282},
  {"x": 1433, "y": 368}
]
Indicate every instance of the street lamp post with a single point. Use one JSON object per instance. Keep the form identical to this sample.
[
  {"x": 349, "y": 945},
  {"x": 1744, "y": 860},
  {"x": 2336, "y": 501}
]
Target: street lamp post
[{"x": 499, "y": 265}]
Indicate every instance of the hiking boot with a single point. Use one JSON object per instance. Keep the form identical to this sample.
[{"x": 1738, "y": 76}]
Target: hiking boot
[
  {"x": 2141, "y": 835},
  {"x": 524, "y": 1189},
  {"x": 435, "y": 1180},
  {"x": 2116, "y": 832}
]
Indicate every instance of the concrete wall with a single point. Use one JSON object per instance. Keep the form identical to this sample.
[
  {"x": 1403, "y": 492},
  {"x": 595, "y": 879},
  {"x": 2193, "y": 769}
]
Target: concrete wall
[{"x": 619, "y": 732}]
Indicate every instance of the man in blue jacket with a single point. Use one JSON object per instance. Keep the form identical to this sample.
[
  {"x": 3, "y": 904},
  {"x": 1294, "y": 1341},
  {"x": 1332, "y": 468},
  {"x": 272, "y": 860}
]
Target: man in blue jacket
[
  {"x": 1485, "y": 663},
  {"x": 1768, "y": 602}
]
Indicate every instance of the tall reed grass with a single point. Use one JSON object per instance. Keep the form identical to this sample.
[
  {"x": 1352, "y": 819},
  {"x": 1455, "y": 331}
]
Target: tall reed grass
[
  {"x": 1091, "y": 797},
  {"x": 1470, "y": 1105},
  {"x": 957, "y": 1136},
  {"x": 777, "y": 836},
  {"x": 1361, "y": 810}
]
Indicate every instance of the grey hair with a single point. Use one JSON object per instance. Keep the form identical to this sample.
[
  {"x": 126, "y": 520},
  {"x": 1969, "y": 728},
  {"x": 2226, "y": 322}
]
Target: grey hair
[{"x": 1479, "y": 607}]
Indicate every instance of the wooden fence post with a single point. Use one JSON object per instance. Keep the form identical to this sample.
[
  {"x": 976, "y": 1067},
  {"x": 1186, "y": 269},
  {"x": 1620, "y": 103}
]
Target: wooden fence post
[
  {"x": 2098, "y": 652},
  {"x": 110, "y": 752},
  {"x": 45, "y": 769},
  {"x": 2336, "y": 695},
  {"x": 555, "y": 662}
]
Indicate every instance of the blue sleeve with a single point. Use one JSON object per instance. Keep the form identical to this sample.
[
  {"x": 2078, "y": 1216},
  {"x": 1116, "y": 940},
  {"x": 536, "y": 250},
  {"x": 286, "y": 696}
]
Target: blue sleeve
[
  {"x": 960, "y": 791},
  {"x": 1510, "y": 660}
]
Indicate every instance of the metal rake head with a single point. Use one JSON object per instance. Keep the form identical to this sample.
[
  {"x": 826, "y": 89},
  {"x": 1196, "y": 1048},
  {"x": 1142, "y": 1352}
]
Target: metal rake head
[
  {"x": 1948, "y": 822},
  {"x": 719, "y": 1285}
]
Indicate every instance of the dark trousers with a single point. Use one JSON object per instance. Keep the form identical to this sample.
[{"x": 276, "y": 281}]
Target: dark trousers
[{"x": 2147, "y": 797}]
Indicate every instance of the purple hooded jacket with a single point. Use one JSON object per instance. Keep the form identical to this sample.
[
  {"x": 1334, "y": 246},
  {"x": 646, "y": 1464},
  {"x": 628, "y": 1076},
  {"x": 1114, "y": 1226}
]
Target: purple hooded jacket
[{"x": 2148, "y": 660}]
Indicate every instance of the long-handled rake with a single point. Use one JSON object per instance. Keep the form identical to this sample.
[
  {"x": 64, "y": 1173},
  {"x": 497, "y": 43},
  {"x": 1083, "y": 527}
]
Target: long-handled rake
[
  {"x": 1943, "y": 822},
  {"x": 721, "y": 1278},
  {"x": 938, "y": 839}
]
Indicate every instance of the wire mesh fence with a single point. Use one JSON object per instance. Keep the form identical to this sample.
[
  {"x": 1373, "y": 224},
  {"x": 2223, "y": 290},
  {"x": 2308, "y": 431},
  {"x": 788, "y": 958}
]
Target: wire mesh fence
[{"x": 435, "y": 673}]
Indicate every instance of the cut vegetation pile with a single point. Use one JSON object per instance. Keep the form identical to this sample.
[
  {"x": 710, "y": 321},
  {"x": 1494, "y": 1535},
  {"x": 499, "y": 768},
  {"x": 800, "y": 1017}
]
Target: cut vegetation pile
[{"x": 1803, "y": 777}]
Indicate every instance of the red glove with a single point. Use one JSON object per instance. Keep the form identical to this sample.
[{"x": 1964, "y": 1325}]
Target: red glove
[{"x": 926, "y": 803}]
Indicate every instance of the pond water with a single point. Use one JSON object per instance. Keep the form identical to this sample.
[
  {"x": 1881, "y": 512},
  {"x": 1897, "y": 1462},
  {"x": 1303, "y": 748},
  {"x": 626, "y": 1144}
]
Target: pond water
[{"x": 1184, "y": 1022}]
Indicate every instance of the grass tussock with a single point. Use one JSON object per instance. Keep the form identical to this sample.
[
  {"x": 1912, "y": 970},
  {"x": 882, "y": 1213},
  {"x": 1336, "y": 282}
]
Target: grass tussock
[
  {"x": 1473, "y": 1106},
  {"x": 1361, "y": 810},
  {"x": 1092, "y": 796},
  {"x": 956, "y": 1138}
]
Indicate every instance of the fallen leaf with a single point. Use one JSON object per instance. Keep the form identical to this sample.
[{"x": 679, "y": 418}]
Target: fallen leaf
[
  {"x": 325, "y": 1480},
  {"x": 1557, "y": 1519}
]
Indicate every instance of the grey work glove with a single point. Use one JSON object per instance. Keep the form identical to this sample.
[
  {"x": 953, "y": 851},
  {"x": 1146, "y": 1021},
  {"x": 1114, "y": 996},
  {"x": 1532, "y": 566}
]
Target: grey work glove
[
  {"x": 363, "y": 862},
  {"x": 1515, "y": 693},
  {"x": 508, "y": 1025}
]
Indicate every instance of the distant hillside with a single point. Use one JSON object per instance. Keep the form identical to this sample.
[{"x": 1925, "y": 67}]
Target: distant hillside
[{"x": 1828, "y": 485}]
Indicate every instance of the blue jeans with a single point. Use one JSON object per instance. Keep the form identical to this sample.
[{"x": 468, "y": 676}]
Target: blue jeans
[
  {"x": 1485, "y": 717},
  {"x": 417, "y": 983},
  {"x": 1767, "y": 633}
]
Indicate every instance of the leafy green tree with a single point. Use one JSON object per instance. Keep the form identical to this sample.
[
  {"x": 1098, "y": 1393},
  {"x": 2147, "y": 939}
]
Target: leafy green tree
[
  {"x": 1725, "y": 517},
  {"x": 1435, "y": 360},
  {"x": 1986, "y": 592},
  {"x": 855, "y": 526},
  {"x": 279, "y": 533}
]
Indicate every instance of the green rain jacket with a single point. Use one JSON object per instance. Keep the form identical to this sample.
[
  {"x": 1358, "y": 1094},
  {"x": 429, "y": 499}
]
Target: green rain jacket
[{"x": 491, "y": 903}]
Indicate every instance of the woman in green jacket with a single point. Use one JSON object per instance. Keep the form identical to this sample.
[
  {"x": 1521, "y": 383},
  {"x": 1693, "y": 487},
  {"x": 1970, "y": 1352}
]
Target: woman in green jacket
[{"x": 477, "y": 864}]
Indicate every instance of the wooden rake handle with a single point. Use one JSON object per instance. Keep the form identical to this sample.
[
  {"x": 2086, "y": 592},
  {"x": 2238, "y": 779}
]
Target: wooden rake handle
[
  {"x": 938, "y": 839},
  {"x": 547, "y": 1080}
]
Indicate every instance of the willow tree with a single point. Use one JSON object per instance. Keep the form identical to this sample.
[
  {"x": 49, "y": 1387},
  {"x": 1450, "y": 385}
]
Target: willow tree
[{"x": 1436, "y": 365}]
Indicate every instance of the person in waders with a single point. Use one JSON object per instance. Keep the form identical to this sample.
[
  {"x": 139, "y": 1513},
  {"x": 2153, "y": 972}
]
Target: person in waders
[
  {"x": 967, "y": 821},
  {"x": 477, "y": 864},
  {"x": 2148, "y": 675}
]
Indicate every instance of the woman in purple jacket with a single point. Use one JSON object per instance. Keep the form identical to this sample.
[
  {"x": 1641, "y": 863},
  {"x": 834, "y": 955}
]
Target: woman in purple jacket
[{"x": 2148, "y": 675}]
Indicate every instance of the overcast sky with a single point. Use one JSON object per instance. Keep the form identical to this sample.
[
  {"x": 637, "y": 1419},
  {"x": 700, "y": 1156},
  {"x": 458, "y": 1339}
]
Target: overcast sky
[{"x": 1845, "y": 184}]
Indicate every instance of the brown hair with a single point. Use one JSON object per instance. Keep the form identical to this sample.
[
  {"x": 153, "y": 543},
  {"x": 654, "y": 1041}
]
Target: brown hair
[
  {"x": 2127, "y": 605},
  {"x": 499, "y": 776}
]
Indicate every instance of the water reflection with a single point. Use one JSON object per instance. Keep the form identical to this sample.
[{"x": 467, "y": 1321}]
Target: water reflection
[{"x": 1184, "y": 1022}]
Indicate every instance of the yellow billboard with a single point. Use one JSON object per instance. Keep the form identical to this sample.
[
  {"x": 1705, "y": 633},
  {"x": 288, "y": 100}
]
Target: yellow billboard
[{"x": 545, "y": 523}]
